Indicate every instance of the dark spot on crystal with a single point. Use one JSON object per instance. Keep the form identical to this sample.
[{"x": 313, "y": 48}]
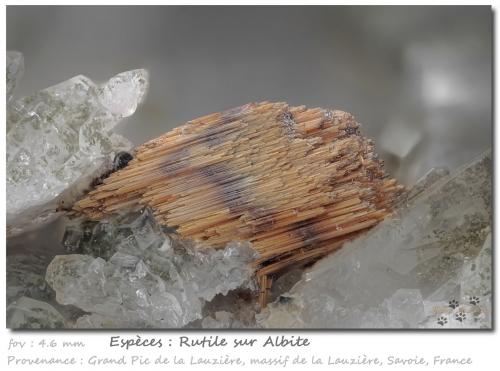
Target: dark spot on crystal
[
  {"x": 304, "y": 231},
  {"x": 121, "y": 160},
  {"x": 284, "y": 299},
  {"x": 351, "y": 130},
  {"x": 99, "y": 180},
  {"x": 307, "y": 232}
]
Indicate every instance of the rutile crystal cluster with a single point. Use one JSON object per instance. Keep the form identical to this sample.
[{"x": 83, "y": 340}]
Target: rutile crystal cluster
[
  {"x": 295, "y": 182},
  {"x": 59, "y": 138}
]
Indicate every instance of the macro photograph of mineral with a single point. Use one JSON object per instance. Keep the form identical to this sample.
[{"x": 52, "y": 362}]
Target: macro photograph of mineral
[{"x": 249, "y": 167}]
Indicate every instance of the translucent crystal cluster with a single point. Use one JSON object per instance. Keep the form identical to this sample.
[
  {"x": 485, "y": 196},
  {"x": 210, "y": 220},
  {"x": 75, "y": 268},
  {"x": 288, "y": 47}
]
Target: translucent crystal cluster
[
  {"x": 59, "y": 138},
  {"x": 427, "y": 266},
  {"x": 128, "y": 272}
]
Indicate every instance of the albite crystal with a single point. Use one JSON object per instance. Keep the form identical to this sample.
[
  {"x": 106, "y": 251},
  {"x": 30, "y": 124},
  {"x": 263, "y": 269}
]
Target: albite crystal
[
  {"x": 142, "y": 277},
  {"x": 59, "y": 138},
  {"x": 427, "y": 266}
]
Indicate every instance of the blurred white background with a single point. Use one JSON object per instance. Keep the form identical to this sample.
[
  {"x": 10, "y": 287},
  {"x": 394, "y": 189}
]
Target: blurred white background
[{"x": 419, "y": 79}]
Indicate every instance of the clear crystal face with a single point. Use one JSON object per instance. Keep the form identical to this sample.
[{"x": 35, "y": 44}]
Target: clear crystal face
[
  {"x": 62, "y": 136},
  {"x": 123, "y": 92}
]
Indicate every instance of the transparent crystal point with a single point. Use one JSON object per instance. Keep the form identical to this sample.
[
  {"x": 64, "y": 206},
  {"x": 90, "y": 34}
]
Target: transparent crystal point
[
  {"x": 59, "y": 139},
  {"x": 123, "y": 92}
]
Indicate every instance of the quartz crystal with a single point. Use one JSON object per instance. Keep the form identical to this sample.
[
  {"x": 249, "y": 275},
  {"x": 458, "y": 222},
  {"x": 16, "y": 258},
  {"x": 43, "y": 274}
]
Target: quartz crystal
[
  {"x": 427, "y": 266},
  {"x": 129, "y": 271},
  {"x": 60, "y": 138}
]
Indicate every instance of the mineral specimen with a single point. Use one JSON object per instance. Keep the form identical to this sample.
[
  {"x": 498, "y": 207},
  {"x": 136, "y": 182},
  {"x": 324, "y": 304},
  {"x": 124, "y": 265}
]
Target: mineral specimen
[
  {"x": 295, "y": 182},
  {"x": 148, "y": 278},
  {"x": 427, "y": 266},
  {"x": 178, "y": 227},
  {"x": 60, "y": 138}
]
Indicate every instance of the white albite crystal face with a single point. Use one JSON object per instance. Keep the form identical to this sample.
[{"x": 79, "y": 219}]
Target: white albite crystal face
[
  {"x": 429, "y": 266},
  {"x": 131, "y": 279},
  {"x": 59, "y": 138}
]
